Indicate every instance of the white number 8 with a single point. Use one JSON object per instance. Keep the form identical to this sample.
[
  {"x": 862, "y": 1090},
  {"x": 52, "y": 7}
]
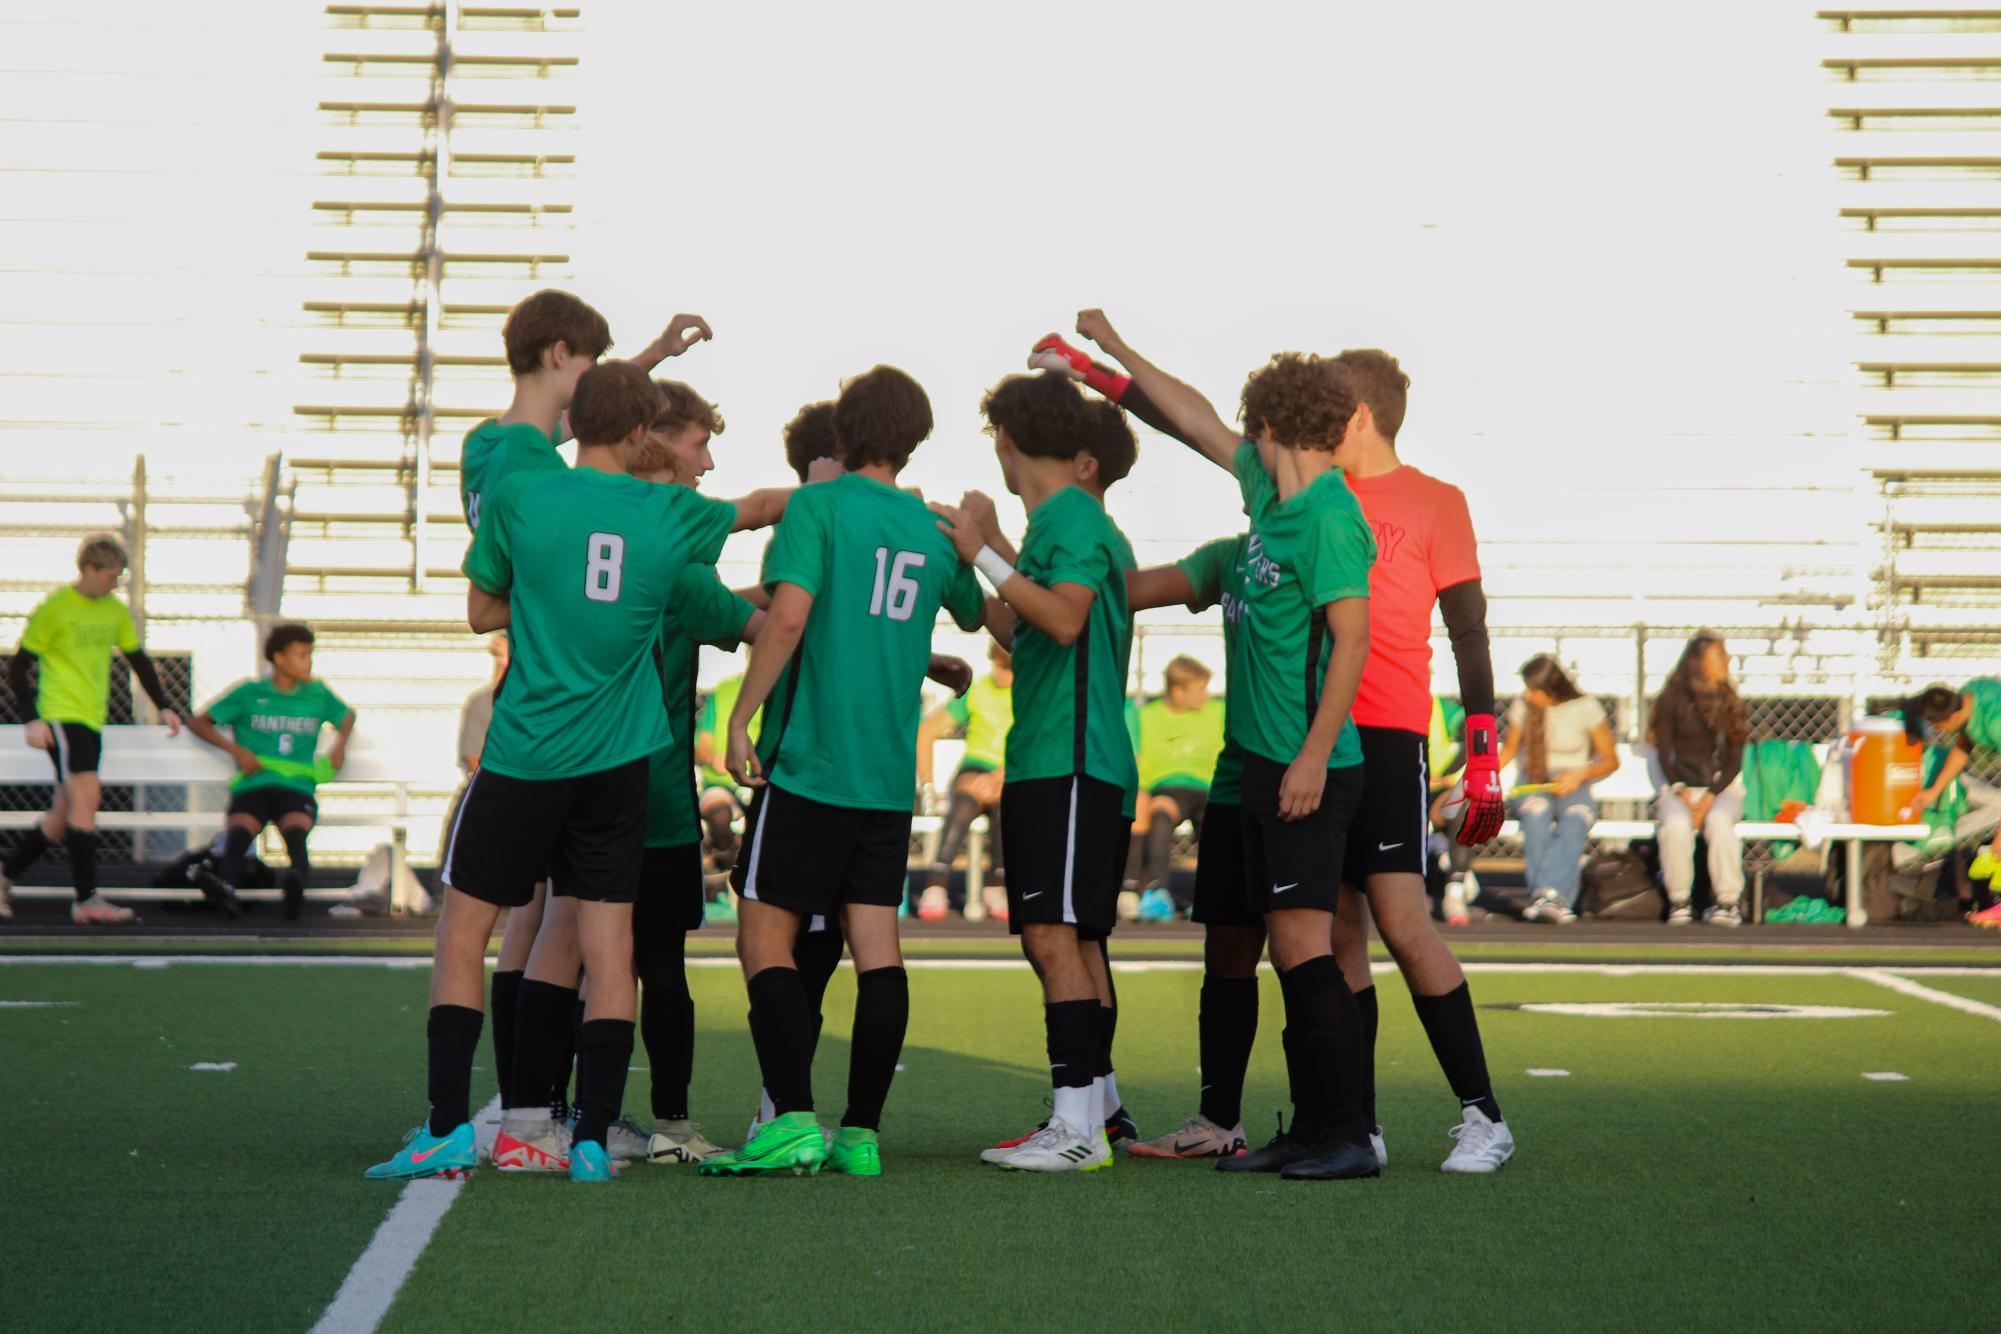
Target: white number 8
[
  {"x": 901, "y": 591},
  {"x": 604, "y": 562}
]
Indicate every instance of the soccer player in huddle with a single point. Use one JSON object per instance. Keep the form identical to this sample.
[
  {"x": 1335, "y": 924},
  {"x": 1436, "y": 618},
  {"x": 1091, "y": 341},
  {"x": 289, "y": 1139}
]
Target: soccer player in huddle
[
  {"x": 534, "y": 1135},
  {"x": 1069, "y": 800},
  {"x": 579, "y": 564},
  {"x": 1302, "y": 643},
  {"x": 274, "y": 724},
  {"x": 73, "y": 633},
  {"x": 856, "y": 574},
  {"x": 982, "y": 717}
]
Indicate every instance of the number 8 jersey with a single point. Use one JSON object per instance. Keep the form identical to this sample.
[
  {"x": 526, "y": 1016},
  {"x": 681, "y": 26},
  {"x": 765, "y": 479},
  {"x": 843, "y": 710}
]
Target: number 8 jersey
[
  {"x": 589, "y": 562},
  {"x": 878, "y": 569}
]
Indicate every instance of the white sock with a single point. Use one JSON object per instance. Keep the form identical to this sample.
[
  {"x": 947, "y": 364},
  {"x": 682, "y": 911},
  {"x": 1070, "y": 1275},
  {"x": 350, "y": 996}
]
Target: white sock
[
  {"x": 1073, "y": 1105},
  {"x": 1112, "y": 1102},
  {"x": 534, "y": 1119},
  {"x": 765, "y": 1110}
]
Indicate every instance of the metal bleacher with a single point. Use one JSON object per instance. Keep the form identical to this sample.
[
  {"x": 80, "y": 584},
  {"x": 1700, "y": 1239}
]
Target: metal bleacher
[{"x": 1916, "y": 120}]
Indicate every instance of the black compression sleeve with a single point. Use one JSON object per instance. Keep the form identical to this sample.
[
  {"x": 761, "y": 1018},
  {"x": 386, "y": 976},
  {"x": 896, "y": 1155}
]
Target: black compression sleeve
[
  {"x": 1465, "y": 609},
  {"x": 17, "y": 680},
  {"x": 1135, "y": 401},
  {"x": 149, "y": 678}
]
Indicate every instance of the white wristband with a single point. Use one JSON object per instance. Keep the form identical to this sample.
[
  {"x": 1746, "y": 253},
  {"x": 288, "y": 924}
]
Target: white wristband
[{"x": 994, "y": 566}]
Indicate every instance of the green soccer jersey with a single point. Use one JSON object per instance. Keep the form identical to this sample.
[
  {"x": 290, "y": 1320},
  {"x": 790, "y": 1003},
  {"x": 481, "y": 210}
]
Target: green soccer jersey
[
  {"x": 590, "y": 560},
  {"x": 1983, "y": 729},
  {"x": 1070, "y": 699},
  {"x": 281, "y": 728},
  {"x": 844, "y": 729},
  {"x": 703, "y": 612},
  {"x": 492, "y": 452},
  {"x": 1215, "y": 571},
  {"x": 1302, "y": 554},
  {"x": 74, "y": 637},
  {"x": 1179, "y": 749},
  {"x": 984, "y": 712}
]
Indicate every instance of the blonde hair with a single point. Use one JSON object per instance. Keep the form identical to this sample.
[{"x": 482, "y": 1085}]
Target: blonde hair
[
  {"x": 1184, "y": 670},
  {"x": 104, "y": 551}
]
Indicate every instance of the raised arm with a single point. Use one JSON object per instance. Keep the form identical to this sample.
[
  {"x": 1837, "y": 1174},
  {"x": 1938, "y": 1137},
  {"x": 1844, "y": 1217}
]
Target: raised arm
[
  {"x": 1193, "y": 420},
  {"x": 761, "y": 508},
  {"x": 682, "y": 332},
  {"x": 777, "y": 640}
]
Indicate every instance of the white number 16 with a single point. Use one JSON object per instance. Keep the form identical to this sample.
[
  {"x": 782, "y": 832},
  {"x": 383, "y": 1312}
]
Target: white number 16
[{"x": 893, "y": 582}]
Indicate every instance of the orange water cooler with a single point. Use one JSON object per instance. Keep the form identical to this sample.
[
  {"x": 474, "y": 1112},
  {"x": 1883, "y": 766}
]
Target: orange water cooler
[{"x": 1885, "y": 771}]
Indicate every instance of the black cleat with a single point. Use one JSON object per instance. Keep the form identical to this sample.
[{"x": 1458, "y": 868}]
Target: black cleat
[
  {"x": 1333, "y": 1157},
  {"x": 219, "y": 895},
  {"x": 1286, "y": 1148},
  {"x": 294, "y": 888},
  {"x": 1120, "y": 1128}
]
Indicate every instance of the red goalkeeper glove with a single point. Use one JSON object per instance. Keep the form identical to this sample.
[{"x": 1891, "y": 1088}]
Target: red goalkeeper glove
[
  {"x": 1482, "y": 783},
  {"x": 1053, "y": 354}
]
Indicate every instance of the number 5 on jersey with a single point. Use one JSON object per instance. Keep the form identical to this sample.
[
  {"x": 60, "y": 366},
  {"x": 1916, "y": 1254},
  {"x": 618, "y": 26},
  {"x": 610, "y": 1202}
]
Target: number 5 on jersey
[
  {"x": 894, "y": 584},
  {"x": 604, "y": 562}
]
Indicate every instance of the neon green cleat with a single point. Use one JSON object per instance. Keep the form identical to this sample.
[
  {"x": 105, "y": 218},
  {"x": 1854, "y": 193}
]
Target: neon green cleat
[
  {"x": 790, "y": 1143},
  {"x": 856, "y": 1153}
]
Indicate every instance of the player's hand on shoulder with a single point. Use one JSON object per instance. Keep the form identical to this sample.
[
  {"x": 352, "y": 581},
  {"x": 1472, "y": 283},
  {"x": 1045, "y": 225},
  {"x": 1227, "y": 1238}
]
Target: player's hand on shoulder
[
  {"x": 979, "y": 507},
  {"x": 825, "y": 470},
  {"x": 956, "y": 524}
]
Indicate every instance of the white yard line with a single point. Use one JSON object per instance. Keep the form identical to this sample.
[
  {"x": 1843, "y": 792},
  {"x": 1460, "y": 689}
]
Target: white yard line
[
  {"x": 398, "y": 1244},
  {"x": 1906, "y": 986}
]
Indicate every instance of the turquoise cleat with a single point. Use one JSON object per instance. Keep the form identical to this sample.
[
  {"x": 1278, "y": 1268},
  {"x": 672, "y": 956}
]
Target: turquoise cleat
[
  {"x": 426, "y": 1155},
  {"x": 590, "y": 1162}
]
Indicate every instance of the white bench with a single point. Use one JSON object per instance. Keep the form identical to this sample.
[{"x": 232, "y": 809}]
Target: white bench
[{"x": 148, "y": 757}]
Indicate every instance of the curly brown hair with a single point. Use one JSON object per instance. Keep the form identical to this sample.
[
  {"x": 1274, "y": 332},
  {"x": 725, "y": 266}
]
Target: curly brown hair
[
  {"x": 1112, "y": 441},
  {"x": 1380, "y": 382},
  {"x": 1305, "y": 401},
  {"x": 809, "y": 436},
  {"x": 547, "y": 318},
  {"x": 613, "y": 399},
  {"x": 1045, "y": 416},
  {"x": 681, "y": 407},
  {"x": 881, "y": 417}
]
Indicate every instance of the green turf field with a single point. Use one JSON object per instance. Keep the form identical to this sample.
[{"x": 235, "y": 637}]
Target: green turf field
[{"x": 1686, "y": 1171}]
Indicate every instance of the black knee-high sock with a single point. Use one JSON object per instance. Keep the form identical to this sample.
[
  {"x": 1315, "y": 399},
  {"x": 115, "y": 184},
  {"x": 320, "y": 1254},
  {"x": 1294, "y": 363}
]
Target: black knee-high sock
[
  {"x": 1072, "y": 1028},
  {"x": 236, "y": 843},
  {"x": 882, "y": 1014},
  {"x": 1455, "y": 1039},
  {"x": 1365, "y": 1001},
  {"x": 452, "y": 1032},
  {"x": 604, "y": 1053},
  {"x": 1160, "y": 849},
  {"x": 817, "y": 954},
  {"x": 505, "y": 1006},
  {"x": 1108, "y": 1021},
  {"x": 27, "y": 848},
  {"x": 666, "y": 1017},
  {"x": 295, "y": 848},
  {"x": 781, "y": 1022},
  {"x": 81, "y": 845},
  {"x": 1321, "y": 1013},
  {"x": 1228, "y": 1025},
  {"x": 545, "y": 1021}
]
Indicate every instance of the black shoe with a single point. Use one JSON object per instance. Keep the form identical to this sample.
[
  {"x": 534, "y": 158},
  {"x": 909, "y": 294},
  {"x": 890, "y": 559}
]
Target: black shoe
[
  {"x": 1120, "y": 1128},
  {"x": 1286, "y": 1148},
  {"x": 294, "y": 889},
  {"x": 1334, "y": 1157},
  {"x": 219, "y": 895}
]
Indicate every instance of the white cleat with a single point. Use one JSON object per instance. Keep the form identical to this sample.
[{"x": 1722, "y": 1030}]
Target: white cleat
[
  {"x": 1382, "y": 1149},
  {"x": 100, "y": 911},
  {"x": 625, "y": 1141},
  {"x": 532, "y": 1146},
  {"x": 1483, "y": 1145},
  {"x": 679, "y": 1142},
  {"x": 1060, "y": 1147}
]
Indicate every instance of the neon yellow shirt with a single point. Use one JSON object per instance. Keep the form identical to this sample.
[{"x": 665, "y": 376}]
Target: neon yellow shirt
[{"x": 74, "y": 636}]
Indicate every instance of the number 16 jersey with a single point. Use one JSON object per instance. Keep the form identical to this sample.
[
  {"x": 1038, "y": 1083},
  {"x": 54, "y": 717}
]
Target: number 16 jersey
[
  {"x": 844, "y": 729},
  {"x": 589, "y": 561}
]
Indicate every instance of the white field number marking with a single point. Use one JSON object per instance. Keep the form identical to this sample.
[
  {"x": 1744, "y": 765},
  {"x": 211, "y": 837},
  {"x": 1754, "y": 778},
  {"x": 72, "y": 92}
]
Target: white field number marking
[
  {"x": 1886, "y": 1077},
  {"x": 1696, "y": 1010}
]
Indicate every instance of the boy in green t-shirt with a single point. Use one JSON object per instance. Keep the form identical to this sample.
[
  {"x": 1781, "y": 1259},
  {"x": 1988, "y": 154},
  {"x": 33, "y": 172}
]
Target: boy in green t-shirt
[
  {"x": 1070, "y": 795},
  {"x": 1180, "y": 735},
  {"x": 1968, "y": 721},
  {"x": 274, "y": 724},
  {"x": 579, "y": 565},
  {"x": 981, "y": 716},
  {"x": 1304, "y": 638},
  {"x": 73, "y": 632},
  {"x": 857, "y": 573}
]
